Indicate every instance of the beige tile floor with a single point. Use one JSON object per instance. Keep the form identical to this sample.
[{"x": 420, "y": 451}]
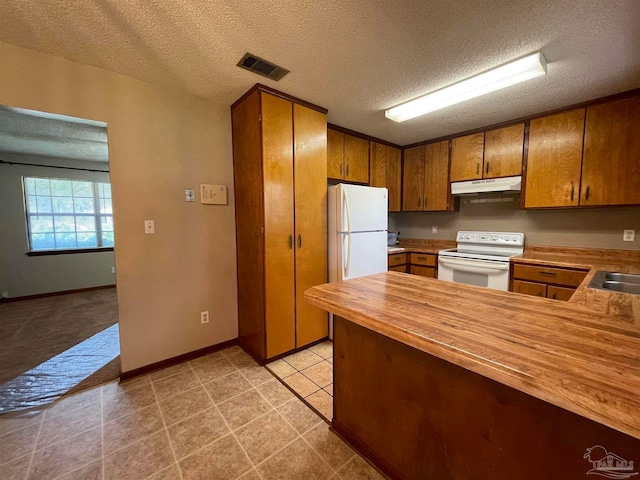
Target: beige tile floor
[
  {"x": 217, "y": 417},
  {"x": 310, "y": 374}
]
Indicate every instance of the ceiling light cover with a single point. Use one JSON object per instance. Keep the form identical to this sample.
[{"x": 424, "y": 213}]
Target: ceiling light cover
[{"x": 518, "y": 71}]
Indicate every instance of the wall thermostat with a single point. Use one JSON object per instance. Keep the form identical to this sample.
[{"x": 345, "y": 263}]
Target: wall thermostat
[{"x": 213, "y": 194}]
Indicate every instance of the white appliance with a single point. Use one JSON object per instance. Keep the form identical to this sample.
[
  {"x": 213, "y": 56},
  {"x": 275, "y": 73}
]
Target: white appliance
[
  {"x": 357, "y": 229},
  {"x": 491, "y": 185},
  {"x": 481, "y": 259}
]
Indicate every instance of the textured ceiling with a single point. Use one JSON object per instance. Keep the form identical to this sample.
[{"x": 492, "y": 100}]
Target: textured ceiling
[
  {"x": 43, "y": 134},
  {"x": 355, "y": 58}
]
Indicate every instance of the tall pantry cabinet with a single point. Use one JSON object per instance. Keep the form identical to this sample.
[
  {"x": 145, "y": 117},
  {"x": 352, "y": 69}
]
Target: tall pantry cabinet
[{"x": 280, "y": 171}]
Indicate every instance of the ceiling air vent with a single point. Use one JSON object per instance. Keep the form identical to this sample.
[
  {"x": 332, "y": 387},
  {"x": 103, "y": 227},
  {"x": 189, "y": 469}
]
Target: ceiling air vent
[{"x": 262, "y": 67}]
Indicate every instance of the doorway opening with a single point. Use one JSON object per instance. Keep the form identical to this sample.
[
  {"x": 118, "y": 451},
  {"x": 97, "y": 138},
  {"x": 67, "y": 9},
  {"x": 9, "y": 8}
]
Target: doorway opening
[{"x": 58, "y": 311}]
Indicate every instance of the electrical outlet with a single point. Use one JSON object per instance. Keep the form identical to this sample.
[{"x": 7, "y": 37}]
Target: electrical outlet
[
  {"x": 190, "y": 194},
  {"x": 149, "y": 226},
  {"x": 629, "y": 235},
  {"x": 204, "y": 317},
  {"x": 113, "y": 269},
  {"x": 434, "y": 229}
]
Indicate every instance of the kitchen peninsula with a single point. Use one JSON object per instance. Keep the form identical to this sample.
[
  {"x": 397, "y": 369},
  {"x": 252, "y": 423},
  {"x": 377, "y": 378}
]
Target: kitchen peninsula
[{"x": 437, "y": 380}]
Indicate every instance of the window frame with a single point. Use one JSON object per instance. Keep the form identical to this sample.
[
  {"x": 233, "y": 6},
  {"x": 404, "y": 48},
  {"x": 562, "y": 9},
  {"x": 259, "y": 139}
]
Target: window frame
[{"x": 96, "y": 215}]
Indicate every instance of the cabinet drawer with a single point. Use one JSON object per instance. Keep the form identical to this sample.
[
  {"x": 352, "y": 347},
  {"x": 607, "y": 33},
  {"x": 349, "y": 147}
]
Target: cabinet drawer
[
  {"x": 399, "y": 268},
  {"x": 556, "y": 276},
  {"x": 397, "y": 259},
  {"x": 559, "y": 293},
  {"x": 423, "y": 271},
  {"x": 425, "y": 259},
  {"x": 530, "y": 288}
]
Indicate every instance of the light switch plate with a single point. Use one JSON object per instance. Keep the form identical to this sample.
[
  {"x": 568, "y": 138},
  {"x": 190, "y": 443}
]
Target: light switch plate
[
  {"x": 213, "y": 194},
  {"x": 149, "y": 226}
]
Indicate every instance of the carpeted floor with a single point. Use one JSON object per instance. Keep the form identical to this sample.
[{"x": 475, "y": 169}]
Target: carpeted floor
[{"x": 34, "y": 331}]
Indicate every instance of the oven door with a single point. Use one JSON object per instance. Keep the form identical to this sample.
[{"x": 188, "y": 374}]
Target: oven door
[{"x": 482, "y": 273}]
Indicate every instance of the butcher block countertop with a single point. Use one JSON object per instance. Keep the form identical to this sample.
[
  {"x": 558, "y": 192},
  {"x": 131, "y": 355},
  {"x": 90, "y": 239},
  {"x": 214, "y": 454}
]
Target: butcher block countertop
[{"x": 565, "y": 353}]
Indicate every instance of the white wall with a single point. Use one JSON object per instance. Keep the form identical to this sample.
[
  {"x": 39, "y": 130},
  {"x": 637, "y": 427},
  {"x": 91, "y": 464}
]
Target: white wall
[
  {"x": 576, "y": 227},
  {"x": 160, "y": 142},
  {"x": 24, "y": 275}
]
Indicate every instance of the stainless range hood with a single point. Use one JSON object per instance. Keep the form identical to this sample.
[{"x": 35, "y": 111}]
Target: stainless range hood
[{"x": 491, "y": 185}]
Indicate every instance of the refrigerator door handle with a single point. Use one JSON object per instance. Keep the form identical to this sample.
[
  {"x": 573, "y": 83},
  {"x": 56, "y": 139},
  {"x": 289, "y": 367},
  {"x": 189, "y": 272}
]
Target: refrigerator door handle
[
  {"x": 345, "y": 199},
  {"x": 347, "y": 263}
]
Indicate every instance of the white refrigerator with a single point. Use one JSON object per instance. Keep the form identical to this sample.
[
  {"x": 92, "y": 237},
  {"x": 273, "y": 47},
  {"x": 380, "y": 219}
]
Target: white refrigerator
[{"x": 357, "y": 232}]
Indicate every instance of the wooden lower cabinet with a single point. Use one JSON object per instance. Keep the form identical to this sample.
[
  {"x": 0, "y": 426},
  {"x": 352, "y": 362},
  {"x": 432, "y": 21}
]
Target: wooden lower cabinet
[
  {"x": 423, "y": 264},
  {"x": 549, "y": 282},
  {"x": 530, "y": 288},
  {"x": 398, "y": 268},
  {"x": 423, "y": 271}
]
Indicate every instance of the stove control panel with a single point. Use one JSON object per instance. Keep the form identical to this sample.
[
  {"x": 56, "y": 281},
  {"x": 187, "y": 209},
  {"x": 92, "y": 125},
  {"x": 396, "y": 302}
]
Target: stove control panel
[{"x": 491, "y": 238}]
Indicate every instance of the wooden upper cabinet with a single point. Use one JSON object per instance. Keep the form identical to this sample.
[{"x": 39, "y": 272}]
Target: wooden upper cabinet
[
  {"x": 386, "y": 171},
  {"x": 466, "y": 157},
  {"x": 356, "y": 159},
  {"x": 394, "y": 178},
  {"x": 347, "y": 157},
  {"x": 611, "y": 163},
  {"x": 436, "y": 176},
  {"x": 413, "y": 179},
  {"x": 503, "y": 149},
  {"x": 554, "y": 160},
  {"x": 335, "y": 154},
  {"x": 378, "y": 175}
]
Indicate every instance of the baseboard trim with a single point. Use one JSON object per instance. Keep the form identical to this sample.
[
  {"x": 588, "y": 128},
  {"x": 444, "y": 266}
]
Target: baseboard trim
[
  {"x": 175, "y": 360},
  {"x": 290, "y": 352},
  {"x": 55, "y": 294}
]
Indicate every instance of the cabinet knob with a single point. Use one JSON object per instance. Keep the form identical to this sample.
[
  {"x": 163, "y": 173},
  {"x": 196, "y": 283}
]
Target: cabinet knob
[
  {"x": 347, "y": 169},
  {"x": 290, "y": 241},
  {"x": 477, "y": 169},
  {"x": 586, "y": 194},
  {"x": 299, "y": 241},
  {"x": 487, "y": 167},
  {"x": 572, "y": 190}
]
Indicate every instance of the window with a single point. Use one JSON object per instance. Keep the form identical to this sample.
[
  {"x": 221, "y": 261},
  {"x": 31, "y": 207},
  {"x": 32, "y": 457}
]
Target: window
[{"x": 68, "y": 214}]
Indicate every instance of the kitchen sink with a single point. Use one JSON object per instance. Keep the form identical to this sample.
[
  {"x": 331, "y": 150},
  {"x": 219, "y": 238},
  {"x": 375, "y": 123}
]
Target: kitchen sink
[
  {"x": 623, "y": 277},
  {"x": 616, "y": 282}
]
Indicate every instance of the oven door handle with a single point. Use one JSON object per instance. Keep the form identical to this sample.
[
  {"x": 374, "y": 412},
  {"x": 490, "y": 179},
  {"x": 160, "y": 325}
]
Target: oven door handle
[{"x": 474, "y": 265}]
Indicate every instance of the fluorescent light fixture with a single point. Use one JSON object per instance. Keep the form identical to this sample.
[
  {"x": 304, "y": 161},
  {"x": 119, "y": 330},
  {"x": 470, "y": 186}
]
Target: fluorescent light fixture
[{"x": 520, "y": 70}]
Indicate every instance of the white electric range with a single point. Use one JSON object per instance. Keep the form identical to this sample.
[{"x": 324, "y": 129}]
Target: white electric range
[{"x": 481, "y": 258}]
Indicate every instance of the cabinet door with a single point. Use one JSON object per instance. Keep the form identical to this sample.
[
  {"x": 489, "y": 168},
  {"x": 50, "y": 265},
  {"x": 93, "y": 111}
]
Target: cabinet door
[
  {"x": 530, "y": 288},
  {"x": 554, "y": 160},
  {"x": 335, "y": 154},
  {"x": 559, "y": 293},
  {"x": 503, "y": 151},
  {"x": 356, "y": 159},
  {"x": 310, "y": 147},
  {"x": 277, "y": 171},
  {"x": 394, "y": 178},
  {"x": 611, "y": 163},
  {"x": 413, "y": 179},
  {"x": 436, "y": 177},
  {"x": 378, "y": 176},
  {"x": 466, "y": 157},
  {"x": 423, "y": 271}
]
